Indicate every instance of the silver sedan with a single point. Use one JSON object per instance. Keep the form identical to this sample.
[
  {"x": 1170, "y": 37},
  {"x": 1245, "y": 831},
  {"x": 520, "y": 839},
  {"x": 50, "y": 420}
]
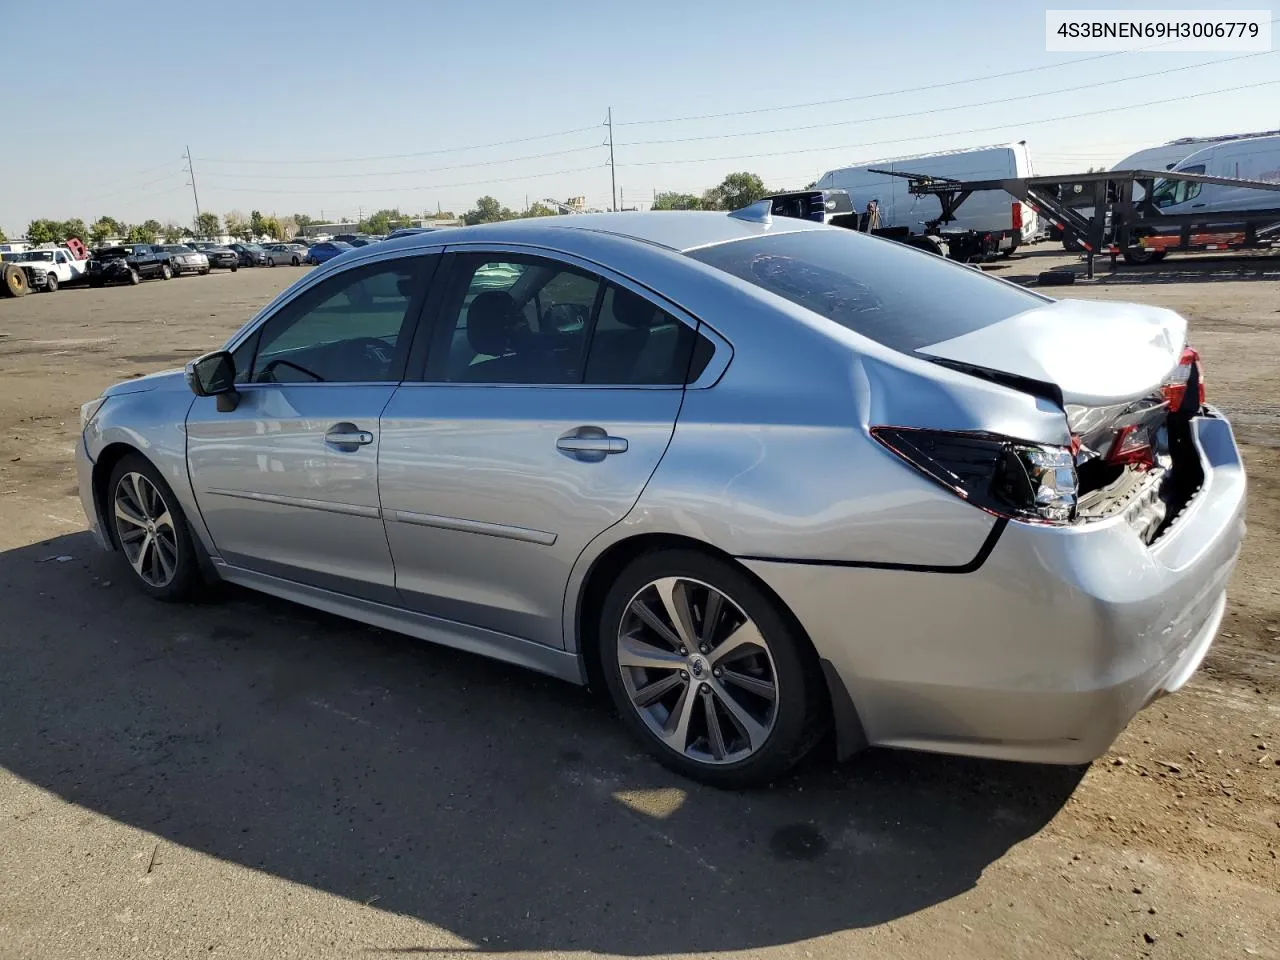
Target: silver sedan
[
  {"x": 285, "y": 254},
  {"x": 756, "y": 478}
]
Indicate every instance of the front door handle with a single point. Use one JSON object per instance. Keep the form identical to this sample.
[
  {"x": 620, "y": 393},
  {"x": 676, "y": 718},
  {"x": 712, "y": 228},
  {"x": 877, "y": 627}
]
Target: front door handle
[
  {"x": 348, "y": 435},
  {"x": 591, "y": 444}
]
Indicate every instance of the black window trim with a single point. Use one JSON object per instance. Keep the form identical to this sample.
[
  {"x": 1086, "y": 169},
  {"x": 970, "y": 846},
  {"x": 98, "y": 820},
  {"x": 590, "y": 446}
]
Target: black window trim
[
  {"x": 414, "y": 315},
  {"x": 415, "y": 375}
]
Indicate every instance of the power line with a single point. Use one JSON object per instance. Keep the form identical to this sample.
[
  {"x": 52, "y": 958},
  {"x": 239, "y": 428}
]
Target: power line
[
  {"x": 402, "y": 156},
  {"x": 397, "y": 173},
  {"x": 436, "y": 186},
  {"x": 933, "y": 110},
  {"x": 892, "y": 93},
  {"x": 956, "y": 133}
]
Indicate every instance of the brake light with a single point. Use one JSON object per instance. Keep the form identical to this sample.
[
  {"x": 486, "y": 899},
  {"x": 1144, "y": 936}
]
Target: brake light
[
  {"x": 1174, "y": 388},
  {"x": 1017, "y": 216},
  {"x": 1132, "y": 445},
  {"x": 1005, "y": 477}
]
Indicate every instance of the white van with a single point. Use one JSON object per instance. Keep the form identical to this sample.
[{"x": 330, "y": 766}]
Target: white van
[
  {"x": 991, "y": 211},
  {"x": 1166, "y": 156},
  {"x": 1255, "y": 159}
]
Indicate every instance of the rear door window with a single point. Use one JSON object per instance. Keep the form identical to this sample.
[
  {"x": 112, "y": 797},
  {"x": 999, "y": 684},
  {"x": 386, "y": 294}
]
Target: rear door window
[{"x": 899, "y": 297}]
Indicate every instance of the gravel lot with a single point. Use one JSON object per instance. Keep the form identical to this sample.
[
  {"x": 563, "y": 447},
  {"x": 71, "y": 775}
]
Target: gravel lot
[{"x": 252, "y": 779}]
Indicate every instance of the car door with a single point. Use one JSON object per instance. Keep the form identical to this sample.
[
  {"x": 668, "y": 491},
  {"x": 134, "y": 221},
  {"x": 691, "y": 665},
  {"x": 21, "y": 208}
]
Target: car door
[
  {"x": 287, "y": 482},
  {"x": 536, "y": 424}
]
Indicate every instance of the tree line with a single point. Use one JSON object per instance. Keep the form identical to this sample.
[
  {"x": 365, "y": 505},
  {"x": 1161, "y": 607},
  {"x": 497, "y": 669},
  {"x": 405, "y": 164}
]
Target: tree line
[{"x": 735, "y": 191}]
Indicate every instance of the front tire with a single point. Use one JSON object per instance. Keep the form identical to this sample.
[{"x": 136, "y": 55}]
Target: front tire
[
  {"x": 294, "y": 261},
  {"x": 50, "y": 283},
  {"x": 134, "y": 278},
  {"x": 707, "y": 671},
  {"x": 235, "y": 267},
  {"x": 151, "y": 531},
  {"x": 166, "y": 272},
  {"x": 271, "y": 261}
]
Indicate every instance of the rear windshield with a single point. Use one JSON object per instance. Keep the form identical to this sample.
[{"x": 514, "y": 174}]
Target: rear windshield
[
  {"x": 113, "y": 252},
  {"x": 897, "y": 296}
]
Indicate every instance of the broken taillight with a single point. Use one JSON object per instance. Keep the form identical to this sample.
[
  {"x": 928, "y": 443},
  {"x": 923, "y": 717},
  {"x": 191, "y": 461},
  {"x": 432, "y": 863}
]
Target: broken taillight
[
  {"x": 1174, "y": 388},
  {"x": 1009, "y": 478},
  {"x": 1132, "y": 445}
]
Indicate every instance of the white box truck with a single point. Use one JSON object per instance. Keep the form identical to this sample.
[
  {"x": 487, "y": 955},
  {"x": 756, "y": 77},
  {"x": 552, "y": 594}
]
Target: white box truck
[{"x": 988, "y": 221}]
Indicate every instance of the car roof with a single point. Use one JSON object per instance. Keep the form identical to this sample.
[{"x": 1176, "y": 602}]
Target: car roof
[{"x": 675, "y": 230}]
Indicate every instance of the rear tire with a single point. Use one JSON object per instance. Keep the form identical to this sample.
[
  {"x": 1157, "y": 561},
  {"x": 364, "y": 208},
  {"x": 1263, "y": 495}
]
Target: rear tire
[
  {"x": 735, "y": 721},
  {"x": 15, "y": 281},
  {"x": 1138, "y": 256},
  {"x": 151, "y": 532}
]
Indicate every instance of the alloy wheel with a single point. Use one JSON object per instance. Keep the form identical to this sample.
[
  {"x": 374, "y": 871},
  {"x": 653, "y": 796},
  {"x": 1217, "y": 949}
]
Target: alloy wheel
[
  {"x": 697, "y": 670},
  {"x": 144, "y": 525}
]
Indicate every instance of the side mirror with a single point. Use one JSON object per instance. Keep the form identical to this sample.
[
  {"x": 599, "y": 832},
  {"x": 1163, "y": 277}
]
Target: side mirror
[{"x": 214, "y": 375}]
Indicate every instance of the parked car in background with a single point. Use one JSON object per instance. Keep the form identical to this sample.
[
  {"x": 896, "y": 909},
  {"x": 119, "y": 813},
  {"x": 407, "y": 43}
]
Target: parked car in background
[
  {"x": 757, "y": 477},
  {"x": 220, "y": 257},
  {"x": 279, "y": 254},
  {"x": 365, "y": 239},
  {"x": 250, "y": 254},
  {"x": 127, "y": 264},
  {"x": 327, "y": 251},
  {"x": 48, "y": 268},
  {"x": 182, "y": 258}
]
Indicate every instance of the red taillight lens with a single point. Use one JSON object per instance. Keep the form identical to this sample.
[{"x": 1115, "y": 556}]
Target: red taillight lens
[
  {"x": 1132, "y": 445},
  {"x": 1017, "y": 216},
  {"x": 1174, "y": 387}
]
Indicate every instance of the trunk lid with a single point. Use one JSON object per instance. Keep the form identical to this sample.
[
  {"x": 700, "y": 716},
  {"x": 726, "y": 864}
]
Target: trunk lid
[{"x": 1096, "y": 354}]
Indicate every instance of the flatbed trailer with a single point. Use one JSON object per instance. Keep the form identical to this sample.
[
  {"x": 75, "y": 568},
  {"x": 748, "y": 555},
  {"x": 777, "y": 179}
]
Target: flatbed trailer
[{"x": 1118, "y": 224}]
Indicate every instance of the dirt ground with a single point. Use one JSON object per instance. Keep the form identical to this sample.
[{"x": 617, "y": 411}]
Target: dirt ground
[{"x": 251, "y": 779}]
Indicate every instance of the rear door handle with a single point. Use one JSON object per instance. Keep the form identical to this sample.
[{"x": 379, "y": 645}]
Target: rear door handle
[
  {"x": 348, "y": 435},
  {"x": 591, "y": 444}
]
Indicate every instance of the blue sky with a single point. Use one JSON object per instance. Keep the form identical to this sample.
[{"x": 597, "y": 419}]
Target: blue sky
[{"x": 309, "y": 89}]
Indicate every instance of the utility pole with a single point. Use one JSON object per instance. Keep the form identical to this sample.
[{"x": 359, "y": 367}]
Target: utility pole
[
  {"x": 613, "y": 172},
  {"x": 192, "y": 170}
]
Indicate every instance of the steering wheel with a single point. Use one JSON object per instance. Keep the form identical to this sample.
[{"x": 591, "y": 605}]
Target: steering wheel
[
  {"x": 374, "y": 349},
  {"x": 268, "y": 372}
]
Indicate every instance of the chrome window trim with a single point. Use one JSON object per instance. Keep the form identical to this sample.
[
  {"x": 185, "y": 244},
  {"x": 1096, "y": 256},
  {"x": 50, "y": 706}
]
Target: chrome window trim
[{"x": 722, "y": 350}]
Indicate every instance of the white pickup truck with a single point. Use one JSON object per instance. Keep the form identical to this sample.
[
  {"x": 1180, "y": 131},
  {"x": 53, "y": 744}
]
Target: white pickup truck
[{"x": 48, "y": 268}]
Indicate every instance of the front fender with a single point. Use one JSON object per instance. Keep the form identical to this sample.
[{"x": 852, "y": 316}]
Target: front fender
[{"x": 152, "y": 422}]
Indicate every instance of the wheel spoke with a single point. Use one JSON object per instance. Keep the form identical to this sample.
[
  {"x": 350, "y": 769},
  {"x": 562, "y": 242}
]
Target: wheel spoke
[
  {"x": 757, "y": 685},
  {"x": 651, "y": 692},
  {"x": 165, "y": 520},
  {"x": 715, "y": 734},
  {"x": 751, "y": 728},
  {"x": 140, "y": 557},
  {"x": 140, "y": 494},
  {"x": 737, "y": 644},
  {"x": 676, "y": 730},
  {"x": 126, "y": 513},
  {"x": 675, "y": 600},
  {"x": 654, "y": 622},
  {"x": 637, "y": 653},
  {"x": 710, "y": 617},
  {"x": 167, "y": 557}
]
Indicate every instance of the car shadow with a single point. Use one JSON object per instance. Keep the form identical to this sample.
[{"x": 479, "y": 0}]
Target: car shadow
[
  {"x": 508, "y": 808},
  {"x": 1176, "y": 268}
]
